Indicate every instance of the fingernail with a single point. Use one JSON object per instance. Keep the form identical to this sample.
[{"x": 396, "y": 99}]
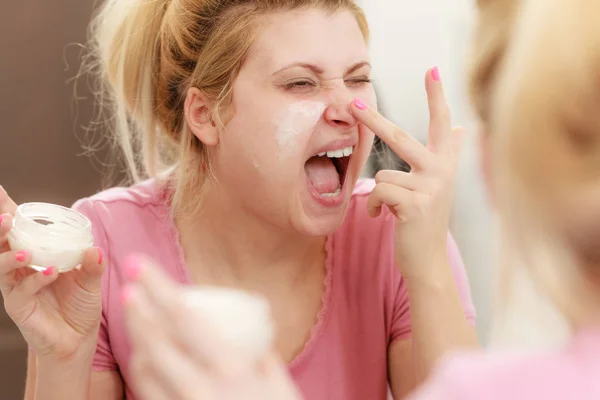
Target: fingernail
[
  {"x": 21, "y": 255},
  {"x": 435, "y": 74},
  {"x": 100, "y": 256},
  {"x": 1, "y": 220},
  {"x": 133, "y": 267},
  {"x": 126, "y": 294},
  {"x": 48, "y": 271},
  {"x": 358, "y": 103}
]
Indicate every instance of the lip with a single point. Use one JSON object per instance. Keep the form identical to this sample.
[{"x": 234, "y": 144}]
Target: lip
[{"x": 336, "y": 145}]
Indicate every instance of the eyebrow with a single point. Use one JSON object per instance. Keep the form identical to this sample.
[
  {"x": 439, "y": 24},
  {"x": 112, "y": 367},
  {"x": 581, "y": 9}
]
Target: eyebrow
[{"x": 319, "y": 71}]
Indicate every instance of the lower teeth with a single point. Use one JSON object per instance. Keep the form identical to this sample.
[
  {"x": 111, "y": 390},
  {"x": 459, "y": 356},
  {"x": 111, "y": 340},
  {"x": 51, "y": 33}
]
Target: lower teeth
[{"x": 339, "y": 189}]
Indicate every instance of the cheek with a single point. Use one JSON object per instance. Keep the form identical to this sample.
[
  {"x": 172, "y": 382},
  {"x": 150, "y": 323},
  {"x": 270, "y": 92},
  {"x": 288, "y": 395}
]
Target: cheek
[
  {"x": 294, "y": 125},
  {"x": 369, "y": 97},
  {"x": 485, "y": 163},
  {"x": 366, "y": 137},
  {"x": 578, "y": 212},
  {"x": 243, "y": 146}
]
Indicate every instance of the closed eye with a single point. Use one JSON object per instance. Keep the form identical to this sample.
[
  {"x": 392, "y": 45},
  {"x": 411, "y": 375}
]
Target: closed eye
[
  {"x": 306, "y": 84},
  {"x": 358, "y": 81},
  {"x": 299, "y": 84}
]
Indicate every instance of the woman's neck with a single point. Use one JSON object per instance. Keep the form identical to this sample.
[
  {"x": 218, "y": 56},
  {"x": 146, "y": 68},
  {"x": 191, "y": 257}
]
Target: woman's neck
[{"x": 240, "y": 247}]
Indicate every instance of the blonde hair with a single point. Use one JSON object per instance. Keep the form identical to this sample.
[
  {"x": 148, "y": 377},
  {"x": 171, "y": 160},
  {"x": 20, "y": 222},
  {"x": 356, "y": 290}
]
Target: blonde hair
[
  {"x": 148, "y": 53},
  {"x": 535, "y": 84}
]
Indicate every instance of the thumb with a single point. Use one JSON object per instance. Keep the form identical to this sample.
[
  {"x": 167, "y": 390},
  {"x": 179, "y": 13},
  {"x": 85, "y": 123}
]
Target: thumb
[{"x": 92, "y": 268}]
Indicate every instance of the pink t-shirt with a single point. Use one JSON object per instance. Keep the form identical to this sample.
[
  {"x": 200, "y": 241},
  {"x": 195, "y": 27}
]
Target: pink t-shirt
[
  {"x": 571, "y": 373},
  {"x": 365, "y": 304}
]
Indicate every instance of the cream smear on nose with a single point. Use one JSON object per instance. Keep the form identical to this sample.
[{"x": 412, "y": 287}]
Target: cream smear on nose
[{"x": 299, "y": 118}]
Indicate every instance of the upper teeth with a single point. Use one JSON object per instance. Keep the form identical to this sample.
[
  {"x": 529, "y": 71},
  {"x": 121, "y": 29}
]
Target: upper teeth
[{"x": 345, "y": 152}]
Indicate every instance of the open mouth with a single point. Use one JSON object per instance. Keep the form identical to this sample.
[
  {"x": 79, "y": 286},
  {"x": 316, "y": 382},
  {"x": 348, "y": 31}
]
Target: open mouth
[{"x": 326, "y": 171}]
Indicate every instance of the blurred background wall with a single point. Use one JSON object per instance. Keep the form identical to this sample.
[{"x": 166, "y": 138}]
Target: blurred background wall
[
  {"x": 40, "y": 148},
  {"x": 42, "y": 130}
]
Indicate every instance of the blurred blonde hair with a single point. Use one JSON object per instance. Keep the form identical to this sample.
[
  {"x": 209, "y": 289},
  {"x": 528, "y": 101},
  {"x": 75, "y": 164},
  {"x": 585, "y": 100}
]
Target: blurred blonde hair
[
  {"x": 148, "y": 53},
  {"x": 535, "y": 83}
]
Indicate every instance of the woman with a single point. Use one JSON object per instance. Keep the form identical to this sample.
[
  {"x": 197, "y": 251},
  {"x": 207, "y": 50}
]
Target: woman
[
  {"x": 537, "y": 90},
  {"x": 240, "y": 112}
]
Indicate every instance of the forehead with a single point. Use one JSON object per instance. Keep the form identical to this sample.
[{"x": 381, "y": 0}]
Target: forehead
[{"x": 330, "y": 40}]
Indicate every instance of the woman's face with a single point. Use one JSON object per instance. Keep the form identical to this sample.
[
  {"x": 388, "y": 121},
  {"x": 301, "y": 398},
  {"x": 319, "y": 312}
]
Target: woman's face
[
  {"x": 548, "y": 166},
  {"x": 292, "y": 151}
]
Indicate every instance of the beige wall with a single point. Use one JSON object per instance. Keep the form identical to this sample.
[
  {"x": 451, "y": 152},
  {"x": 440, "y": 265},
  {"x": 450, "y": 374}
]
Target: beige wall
[{"x": 40, "y": 137}]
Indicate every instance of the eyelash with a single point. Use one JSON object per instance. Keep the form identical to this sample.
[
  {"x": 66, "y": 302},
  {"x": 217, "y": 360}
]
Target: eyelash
[{"x": 302, "y": 84}]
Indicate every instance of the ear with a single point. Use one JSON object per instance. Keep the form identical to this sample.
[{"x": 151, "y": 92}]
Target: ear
[
  {"x": 199, "y": 118},
  {"x": 485, "y": 152}
]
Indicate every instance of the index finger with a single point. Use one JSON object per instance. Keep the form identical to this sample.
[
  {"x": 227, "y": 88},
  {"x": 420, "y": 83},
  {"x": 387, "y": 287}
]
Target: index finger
[
  {"x": 440, "y": 135},
  {"x": 404, "y": 145},
  {"x": 7, "y": 206}
]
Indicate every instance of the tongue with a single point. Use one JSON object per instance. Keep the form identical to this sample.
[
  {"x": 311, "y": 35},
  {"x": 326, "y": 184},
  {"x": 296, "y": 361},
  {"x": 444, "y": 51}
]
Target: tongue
[{"x": 322, "y": 174}]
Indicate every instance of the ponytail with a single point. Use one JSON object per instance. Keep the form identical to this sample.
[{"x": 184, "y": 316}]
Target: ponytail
[{"x": 126, "y": 41}]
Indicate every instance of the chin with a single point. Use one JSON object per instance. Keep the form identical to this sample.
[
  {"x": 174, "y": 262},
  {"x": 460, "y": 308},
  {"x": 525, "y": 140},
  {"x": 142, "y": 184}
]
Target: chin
[{"x": 320, "y": 226}]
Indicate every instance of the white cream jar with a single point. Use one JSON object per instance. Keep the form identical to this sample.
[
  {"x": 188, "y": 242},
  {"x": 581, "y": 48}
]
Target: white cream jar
[
  {"x": 54, "y": 235},
  {"x": 241, "y": 321}
]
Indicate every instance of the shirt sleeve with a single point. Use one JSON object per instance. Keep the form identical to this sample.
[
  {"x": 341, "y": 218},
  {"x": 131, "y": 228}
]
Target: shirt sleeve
[
  {"x": 103, "y": 359},
  {"x": 401, "y": 326}
]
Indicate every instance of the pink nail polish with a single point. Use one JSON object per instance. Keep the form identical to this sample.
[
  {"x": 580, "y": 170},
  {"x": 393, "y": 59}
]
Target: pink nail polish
[
  {"x": 48, "y": 271},
  {"x": 133, "y": 267},
  {"x": 359, "y": 104},
  {"x": 21, "y": 255},
  {"x": 435, "y": 74},
  {"x": 100, "y": 257},
  {"x": 126, "y": 295}
]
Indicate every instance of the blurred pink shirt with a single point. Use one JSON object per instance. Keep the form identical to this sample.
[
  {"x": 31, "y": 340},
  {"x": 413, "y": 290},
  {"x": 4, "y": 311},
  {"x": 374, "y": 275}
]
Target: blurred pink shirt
[
  {"x": 364, "y": 306},
  {"x": 571, "y": 373}
]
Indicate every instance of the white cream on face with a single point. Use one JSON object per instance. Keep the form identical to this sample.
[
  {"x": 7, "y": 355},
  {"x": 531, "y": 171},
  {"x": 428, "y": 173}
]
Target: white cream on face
[{"x": 297, "y": 119}]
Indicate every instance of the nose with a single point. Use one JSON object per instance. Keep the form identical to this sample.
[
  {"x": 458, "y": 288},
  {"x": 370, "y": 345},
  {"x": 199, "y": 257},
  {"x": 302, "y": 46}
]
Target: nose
[{"x": 338, "y": 113}]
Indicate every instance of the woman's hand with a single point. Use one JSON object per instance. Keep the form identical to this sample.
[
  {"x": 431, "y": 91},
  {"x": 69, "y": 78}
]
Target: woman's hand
[
  {"x": 177, "y": 356},
  {"x": 421, "y": 199},
  {"x": 57, "y": 314}
]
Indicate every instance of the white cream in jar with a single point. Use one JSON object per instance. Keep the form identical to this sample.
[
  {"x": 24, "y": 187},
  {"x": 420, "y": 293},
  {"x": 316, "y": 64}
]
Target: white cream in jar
[
  {"x": 55, "y": 236},
  {"x": 241, "y": 321}
]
